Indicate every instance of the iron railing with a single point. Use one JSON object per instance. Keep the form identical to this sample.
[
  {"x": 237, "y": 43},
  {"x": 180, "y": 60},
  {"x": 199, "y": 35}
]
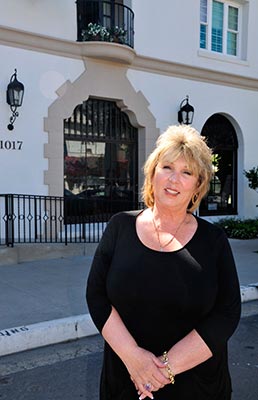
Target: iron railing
[
  {"x": 116, "y": 18},
  {"x": 52, "y": 219}
]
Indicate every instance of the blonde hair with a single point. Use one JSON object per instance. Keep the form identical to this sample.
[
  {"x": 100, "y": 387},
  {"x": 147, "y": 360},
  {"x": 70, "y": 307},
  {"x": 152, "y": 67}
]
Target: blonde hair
[{"x": 177, "y": 141}]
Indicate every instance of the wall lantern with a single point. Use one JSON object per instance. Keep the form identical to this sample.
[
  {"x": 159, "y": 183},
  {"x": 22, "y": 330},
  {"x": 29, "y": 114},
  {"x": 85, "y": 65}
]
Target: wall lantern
[
  {"x": 14, "y": 97},
  {"x": 186, "y": 112}
]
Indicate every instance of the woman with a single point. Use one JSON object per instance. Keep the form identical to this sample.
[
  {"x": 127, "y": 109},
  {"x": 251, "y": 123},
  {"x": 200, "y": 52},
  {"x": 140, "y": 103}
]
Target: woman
[{"x": 163, "y": 288}]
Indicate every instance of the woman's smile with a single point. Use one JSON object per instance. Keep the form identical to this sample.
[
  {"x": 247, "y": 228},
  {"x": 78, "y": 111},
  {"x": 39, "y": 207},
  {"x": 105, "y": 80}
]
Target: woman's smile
[{"x": 172, "y": 191}]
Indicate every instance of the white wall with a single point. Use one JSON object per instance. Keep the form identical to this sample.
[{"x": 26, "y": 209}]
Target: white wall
[
  {"x": 55, "y": 18},
  {"x": 169, "y": 30},
  {"x": 41, "y": 74}
]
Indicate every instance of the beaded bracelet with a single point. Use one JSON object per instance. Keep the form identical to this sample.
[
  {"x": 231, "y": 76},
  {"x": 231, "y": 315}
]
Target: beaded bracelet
[{"x": 168, "y": 368}]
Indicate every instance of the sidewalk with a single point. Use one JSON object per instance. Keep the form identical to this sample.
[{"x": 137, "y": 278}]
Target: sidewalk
[{"x": 43, "y": 302}]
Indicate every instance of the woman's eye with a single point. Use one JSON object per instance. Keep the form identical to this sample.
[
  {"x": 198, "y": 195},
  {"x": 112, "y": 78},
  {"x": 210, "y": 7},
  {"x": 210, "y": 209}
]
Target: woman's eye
[
  {"x": 166, "y": 167},
  {"x": 188, "y": 173}
]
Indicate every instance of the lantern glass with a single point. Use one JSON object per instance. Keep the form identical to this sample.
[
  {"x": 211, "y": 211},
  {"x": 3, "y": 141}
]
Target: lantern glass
[
  {"x": 186, "y": 112},
  {"x": 15, "y": 92},
  {"x": 187, "y": 116}
]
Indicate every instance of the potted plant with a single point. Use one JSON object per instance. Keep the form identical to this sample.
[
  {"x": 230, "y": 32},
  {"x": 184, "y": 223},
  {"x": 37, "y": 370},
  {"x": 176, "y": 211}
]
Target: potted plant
[
  {"x": 101, "y": 33},
  {"x": 118, "y": 35},
  {"x": 96, "y": 32}
]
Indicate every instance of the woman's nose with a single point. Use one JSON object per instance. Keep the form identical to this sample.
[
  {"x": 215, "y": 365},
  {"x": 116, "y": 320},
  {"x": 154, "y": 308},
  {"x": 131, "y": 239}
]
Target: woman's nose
[{"x": 173, "y": 176}]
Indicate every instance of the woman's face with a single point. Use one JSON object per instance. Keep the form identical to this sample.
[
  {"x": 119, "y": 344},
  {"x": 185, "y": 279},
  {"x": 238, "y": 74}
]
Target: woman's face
[{"x": 174, "y": 184}]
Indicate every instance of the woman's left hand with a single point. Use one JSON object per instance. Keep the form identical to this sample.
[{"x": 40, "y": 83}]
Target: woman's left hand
[
  {"x": 152, "y": 388},
  {"x": 145, "y": 371}
]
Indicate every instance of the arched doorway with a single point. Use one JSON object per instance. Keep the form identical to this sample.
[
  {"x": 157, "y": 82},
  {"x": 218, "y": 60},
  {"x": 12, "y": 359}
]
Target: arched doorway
[
  {"x": 221, "y": 137},
  {"x": 100, "y": 159}
]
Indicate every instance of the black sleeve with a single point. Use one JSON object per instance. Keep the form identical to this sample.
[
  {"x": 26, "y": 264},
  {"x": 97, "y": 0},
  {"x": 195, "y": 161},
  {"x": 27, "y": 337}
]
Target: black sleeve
[
  {"x": 222, "y": 321},
  {"x": 96, "y": 295}
]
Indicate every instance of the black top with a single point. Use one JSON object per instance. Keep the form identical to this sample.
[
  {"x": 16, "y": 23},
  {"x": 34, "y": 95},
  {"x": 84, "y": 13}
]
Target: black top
[{"x": 161, "y": 297}]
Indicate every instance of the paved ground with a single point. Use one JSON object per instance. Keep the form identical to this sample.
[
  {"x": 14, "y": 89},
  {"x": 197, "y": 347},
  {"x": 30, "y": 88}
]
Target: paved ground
[
  {"x": 246, "y": 257},
  {"x": 43, "y": 290},
  {"x": 72, "y": 369},
  {"x": 33, "y": 293}
]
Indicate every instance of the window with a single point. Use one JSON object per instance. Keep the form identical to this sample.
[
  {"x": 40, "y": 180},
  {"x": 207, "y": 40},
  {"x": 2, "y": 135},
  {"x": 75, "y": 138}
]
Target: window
[
  {"x": 222, "y": 197},
  {"x": 204, "y": 25},
  {"x": 100, "y": 158},
  {"x": 219, "y": 26}
]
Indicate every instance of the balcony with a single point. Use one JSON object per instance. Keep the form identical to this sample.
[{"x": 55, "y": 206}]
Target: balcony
[{"x": 105, "y": 21}]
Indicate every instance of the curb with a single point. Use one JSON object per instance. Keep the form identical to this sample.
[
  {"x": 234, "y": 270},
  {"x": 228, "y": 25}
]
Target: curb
[
  {"x": 14, "y": 340},
  {"x": 29, "y": 337},
  {"x": 21, "y": 253},
  {"x": 249, "y": 292}
]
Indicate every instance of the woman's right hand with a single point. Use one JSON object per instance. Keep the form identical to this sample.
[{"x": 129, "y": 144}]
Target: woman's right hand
[{"x": 145, "y": 370}]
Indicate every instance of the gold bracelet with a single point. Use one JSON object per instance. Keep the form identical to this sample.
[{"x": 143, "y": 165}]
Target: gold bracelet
[{"x": 168, "y": 368}]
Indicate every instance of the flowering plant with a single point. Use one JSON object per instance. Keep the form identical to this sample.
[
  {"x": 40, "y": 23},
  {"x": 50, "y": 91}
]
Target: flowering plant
[
  {"x": 118, "y": 34},
  {"x": 95, "y": 32},
  {"x": 101, "y": 33}
]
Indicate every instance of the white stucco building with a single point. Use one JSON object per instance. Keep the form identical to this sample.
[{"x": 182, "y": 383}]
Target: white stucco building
[{"x": 92, "y": 110}]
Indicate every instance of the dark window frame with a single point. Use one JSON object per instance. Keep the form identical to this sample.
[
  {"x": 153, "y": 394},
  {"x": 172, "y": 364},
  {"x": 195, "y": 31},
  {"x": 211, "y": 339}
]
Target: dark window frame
[
  {"x": 222, "y": 197},
  {"x": 98, "y": 121}
]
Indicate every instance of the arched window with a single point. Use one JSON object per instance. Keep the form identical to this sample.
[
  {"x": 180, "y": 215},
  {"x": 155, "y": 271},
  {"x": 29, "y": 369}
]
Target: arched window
[
  {"x": 100, "y": 158},
  {"x": 221, "y": 137}
]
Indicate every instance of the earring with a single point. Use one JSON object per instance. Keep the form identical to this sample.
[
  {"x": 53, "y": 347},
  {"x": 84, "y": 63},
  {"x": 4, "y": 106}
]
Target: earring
[{"x": 195, "y": 198}]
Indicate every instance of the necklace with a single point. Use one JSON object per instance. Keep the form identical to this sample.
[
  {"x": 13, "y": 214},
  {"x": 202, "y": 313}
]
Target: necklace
[{"x": 162, "y": 247}]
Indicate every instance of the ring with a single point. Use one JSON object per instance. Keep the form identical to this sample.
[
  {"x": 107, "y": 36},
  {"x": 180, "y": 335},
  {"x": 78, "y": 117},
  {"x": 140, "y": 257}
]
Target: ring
[{"x": 147, "y": 386}]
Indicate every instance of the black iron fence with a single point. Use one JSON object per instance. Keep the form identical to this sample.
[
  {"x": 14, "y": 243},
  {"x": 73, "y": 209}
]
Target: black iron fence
[{"x": 51, "y": 219}]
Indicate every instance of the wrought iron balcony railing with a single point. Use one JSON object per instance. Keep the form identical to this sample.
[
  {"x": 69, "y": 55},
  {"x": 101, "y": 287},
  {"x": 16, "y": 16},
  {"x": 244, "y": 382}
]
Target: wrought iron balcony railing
[{"x": 106, "y": 21}]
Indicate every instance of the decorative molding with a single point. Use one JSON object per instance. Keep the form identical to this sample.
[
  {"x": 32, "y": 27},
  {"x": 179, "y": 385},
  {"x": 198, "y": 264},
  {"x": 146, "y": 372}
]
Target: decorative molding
[
  {"x": 108, "y": 51},
  {"x": 121, "y": 55},
  {"x": 40, "y": 43},
  {"x": 194, "y": 73},
  {"x": 60, "y": 47},
  {"x": 116, "y": 88}
]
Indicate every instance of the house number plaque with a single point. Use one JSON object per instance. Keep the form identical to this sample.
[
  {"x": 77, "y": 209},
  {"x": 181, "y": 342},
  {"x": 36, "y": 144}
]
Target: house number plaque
[{"x": 11, "y": 144}]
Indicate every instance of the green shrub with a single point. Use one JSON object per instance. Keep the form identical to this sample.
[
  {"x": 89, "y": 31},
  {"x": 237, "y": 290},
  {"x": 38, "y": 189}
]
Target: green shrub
[
  {"x": 239, "y": 229},
  {"x": 252, "y": 176}
]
